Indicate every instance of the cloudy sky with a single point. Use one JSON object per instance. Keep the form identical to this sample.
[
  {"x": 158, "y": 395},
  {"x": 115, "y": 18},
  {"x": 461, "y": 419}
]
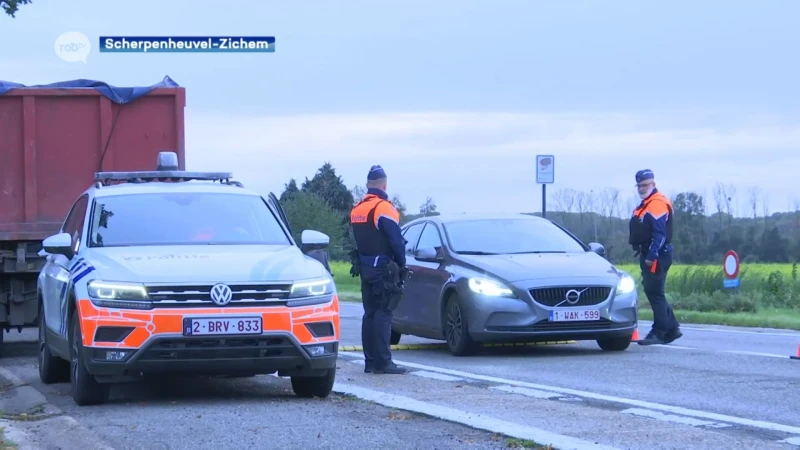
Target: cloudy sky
[{"x": 455, "y": 98}]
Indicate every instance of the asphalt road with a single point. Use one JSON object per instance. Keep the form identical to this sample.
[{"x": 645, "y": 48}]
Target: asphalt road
[
  {"x": 715, "y": 388},
  {"x": 258, "y": 412}
]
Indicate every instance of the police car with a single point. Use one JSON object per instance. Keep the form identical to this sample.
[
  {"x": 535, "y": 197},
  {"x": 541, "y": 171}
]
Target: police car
[{"x": 186, "y": 273}]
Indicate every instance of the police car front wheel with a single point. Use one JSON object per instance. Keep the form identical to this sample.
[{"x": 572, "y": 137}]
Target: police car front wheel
[
  {"x": 85, "y": 388},
  {"x": 308, "y": 387}
]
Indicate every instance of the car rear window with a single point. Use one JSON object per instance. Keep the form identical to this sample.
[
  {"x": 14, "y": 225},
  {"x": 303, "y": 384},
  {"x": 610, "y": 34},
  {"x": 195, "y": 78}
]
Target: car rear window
[{"x": 183, "y": 219}]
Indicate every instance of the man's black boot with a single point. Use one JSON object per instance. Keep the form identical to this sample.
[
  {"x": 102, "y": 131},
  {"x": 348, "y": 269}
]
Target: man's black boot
[
  {"x": 673, "y": 335},
  {"x": 391, "y": 369},
  {"x": 652, "y": 339}
]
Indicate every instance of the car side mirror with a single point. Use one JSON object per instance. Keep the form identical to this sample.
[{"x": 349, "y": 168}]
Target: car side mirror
[
  {"x": 598, "y": 248},
  {"x": 313, "y": 240},
  {"x": 59, "y": 244},
  {"x": 428, "y": 254}
]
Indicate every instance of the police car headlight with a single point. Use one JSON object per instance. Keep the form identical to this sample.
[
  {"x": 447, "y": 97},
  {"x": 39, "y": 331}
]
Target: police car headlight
[
  {"x": 626, "y": 284},
  {"x": 488, "y": 287},
  {"x": 315, "y": 288},
  {"x": 118, "y": 295}
]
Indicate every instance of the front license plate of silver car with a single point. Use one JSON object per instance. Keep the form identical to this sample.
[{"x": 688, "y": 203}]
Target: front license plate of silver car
[{"x": 579, "y": 315}]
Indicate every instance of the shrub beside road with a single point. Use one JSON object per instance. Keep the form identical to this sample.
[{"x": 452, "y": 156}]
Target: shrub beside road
[{"x": 768, "y": 296}]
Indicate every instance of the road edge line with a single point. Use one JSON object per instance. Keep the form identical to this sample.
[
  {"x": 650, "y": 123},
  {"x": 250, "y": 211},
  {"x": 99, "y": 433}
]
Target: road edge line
[{"x": 476, "y": 421}]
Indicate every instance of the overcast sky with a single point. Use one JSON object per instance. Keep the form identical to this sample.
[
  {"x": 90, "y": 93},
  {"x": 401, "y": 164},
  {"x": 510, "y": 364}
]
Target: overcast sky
[{"x": 456, "y": 97}]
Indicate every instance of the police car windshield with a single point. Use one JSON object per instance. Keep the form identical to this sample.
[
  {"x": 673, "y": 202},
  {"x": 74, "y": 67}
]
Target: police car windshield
[
  {"x": 510, "y": 236},
  {"x": 183, "y": 219}
]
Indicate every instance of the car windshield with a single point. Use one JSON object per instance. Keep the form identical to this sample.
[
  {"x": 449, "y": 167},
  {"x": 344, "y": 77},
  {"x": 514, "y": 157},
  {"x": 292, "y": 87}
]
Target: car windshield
[
  {"x": 507, "y": 236},
  {"x": 183, "y": 219}
]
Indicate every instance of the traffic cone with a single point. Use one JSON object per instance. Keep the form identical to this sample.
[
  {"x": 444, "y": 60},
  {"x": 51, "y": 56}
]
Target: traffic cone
[
  {"x": 798, "y": 353},
  {"x": 635, "y": 337}
]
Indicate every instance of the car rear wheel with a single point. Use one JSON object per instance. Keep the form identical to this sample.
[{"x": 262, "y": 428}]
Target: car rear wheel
[
  {"x": 52, "y": 369},
  {"x": 395, "y": 338},
  {"x": 308, "y": 387},
  {"x": 615, "y": 344},
  {"x": 85, "y": 388},
  {"x": 456, "y": 330}
]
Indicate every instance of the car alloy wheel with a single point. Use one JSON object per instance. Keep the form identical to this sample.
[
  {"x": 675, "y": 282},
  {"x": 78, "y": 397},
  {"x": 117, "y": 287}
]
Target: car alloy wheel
[
  {"x": 52, "y": 369},
  {"x": 85, "y": 388},
  {"x": 456, "y": 330}
]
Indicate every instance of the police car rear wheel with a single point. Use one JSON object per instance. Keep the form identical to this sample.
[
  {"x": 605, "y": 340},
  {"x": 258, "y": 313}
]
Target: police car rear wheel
[
  {"x": 456, "y": 330},
  {"x": 614, "y": 344},
  {"x": 51, "y": 368},
  {"x": 85, "y": 388},
  {"x": 308, "y": 387}
]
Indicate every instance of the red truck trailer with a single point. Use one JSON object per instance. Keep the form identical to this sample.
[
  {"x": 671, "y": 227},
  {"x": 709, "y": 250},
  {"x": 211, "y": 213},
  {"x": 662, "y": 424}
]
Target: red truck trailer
[{"x": 53, "y": 138}]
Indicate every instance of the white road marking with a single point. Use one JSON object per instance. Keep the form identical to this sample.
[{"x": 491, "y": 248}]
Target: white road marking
[
  {"x": 677, "y": 347},
  {"x": 744, "y": 352},
  {"x": 478, "y": 421},
  {"x": 792, "y": 440},
  {"x": 608, "y": 398},
  {"x": 525, "y": 391},
  {"x": 435, "y": 375},
  {"x": 673, "y": 418}
]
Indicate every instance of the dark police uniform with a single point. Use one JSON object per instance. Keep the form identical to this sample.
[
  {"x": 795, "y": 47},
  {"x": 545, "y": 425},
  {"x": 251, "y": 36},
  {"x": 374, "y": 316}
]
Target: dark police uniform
[
  {"x": 651, "y": 238},
  {"x": 376, "y": 229}
]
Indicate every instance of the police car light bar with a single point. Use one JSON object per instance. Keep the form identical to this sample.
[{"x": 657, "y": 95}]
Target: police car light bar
[{"x": 166, "y": 170}]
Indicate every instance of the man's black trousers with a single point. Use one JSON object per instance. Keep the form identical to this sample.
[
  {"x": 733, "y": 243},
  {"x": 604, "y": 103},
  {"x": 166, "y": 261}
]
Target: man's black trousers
[
  {"x": 376, "y": 325},
  {"x": 654, "y": 283}
]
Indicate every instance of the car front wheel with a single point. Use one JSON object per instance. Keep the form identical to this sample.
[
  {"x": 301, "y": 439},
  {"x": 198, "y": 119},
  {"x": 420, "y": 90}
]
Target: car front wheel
[
  {"x": 614, "y": 344},
  {"x": 320, "y": 386},
  {"x": 456, "y": 330},
  {"x": 85, "y": 388}
]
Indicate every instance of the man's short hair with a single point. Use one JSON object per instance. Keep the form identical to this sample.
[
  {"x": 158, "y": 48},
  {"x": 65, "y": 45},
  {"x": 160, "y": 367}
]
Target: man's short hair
[{"x": 376, "y": 183}]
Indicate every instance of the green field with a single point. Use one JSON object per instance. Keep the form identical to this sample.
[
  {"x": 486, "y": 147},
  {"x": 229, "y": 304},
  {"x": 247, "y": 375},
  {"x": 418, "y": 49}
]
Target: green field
[{"x": 768, "y": 296}]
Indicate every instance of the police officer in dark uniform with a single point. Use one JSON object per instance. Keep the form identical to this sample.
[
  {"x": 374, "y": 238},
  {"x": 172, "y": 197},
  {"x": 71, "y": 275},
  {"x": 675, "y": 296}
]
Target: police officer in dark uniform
[
  {"x": 379, "y": 260},
  {"x": 651, "y": 238}
]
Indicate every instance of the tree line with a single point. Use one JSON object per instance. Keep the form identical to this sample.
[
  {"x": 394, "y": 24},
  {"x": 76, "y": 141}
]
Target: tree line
[{"x": 703, "y": 231}]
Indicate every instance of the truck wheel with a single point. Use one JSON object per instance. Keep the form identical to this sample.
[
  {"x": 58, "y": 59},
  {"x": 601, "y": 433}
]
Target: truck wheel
[
  {"x": 308, "y": 387},
  {"x": 52, "y": 369},
  {"x": 395, "y": 338},
  {"x": 85, "y": 388}
]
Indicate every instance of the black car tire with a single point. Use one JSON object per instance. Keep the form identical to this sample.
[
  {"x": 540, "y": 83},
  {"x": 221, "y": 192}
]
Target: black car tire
[
  {"x": 85, "y": 388},
  {"x": 308, "y": 387},
  {"x": 614, "y": 344},
  {"x": 395, "y": 338},
  {"x": 52, "y": 369},
  {"x": 456, "y": 330}
]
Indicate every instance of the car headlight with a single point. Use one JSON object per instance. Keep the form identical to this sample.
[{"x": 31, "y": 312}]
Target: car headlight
[
  {"x": 626, "y": 284},
  {"x": 111, "y": 294},
  {"x": 315, "y": 288},
  {"x": 491, "y": 288}
]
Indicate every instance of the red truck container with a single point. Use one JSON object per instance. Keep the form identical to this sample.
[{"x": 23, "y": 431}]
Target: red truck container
[{"x": 53, "y": 139}]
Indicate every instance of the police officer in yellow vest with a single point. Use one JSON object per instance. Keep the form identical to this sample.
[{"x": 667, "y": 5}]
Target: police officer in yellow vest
[
  {"x": 380, "y": 254},
  {"x": 651, "y": 238}
]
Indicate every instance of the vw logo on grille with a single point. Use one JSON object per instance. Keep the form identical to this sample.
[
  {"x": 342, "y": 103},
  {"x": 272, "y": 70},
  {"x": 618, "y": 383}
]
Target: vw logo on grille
[
  {"x": 221, "y": 294},
  {"x": 572, "y": 296}
]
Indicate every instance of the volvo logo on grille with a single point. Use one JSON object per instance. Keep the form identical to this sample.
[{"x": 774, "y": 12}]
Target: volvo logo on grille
[
  {"x": 221, "y": 294},
  {"x": 572, "y": 297}
]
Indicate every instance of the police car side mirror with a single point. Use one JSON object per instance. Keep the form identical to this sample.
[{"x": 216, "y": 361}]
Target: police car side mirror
[
  {"x": 597, "y": 248},
  {"x": 314, "y": 240},
  {"x": 59, "y": 244}
]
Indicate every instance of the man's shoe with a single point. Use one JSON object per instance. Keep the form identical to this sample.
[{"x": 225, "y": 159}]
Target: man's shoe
[
  {"x": 391, "y": 369},
  {"x": 651, "y": 339},
  {"x": 673, "y": 336},
  {"x": 369, "y": 369}
]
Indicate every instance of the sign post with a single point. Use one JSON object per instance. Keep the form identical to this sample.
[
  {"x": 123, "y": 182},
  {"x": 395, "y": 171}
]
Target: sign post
[
  {"x": 545, "y": 174},
  {"x": 730, "y": 266}
]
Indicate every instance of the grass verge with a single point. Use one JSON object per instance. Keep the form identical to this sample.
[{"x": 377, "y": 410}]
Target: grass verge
[{"x": 6, "y": 444}]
